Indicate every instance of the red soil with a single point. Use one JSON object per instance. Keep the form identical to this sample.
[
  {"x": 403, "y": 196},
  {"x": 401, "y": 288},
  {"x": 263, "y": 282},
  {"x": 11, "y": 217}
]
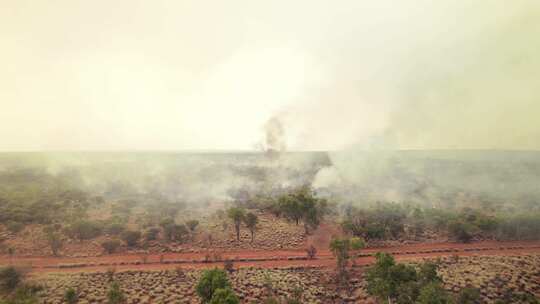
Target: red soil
[{"x": 265, "y": 259}]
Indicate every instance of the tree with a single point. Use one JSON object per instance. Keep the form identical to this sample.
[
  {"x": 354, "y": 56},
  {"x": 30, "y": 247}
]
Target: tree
[
  {"x": 468, "y": 295},
  {"x": 427, "y": 273},
  {"x": 84, "y": 230},
  {"x": 384, "y": 278},
  {"x": 115, "y": 295},
  {"x": 55, "y": 242},
  {"x": 237, "y": 215},
  {"x": 10, "y": 278},
  {"x": 224, "y": 296},
  {"x": 110, "y": 246},
  {"x": 460, "y": 231},
  {"x": 151, "y": 234},
  {"x": 210, "y": 281},
  {"x": 131, "y": 237},
  {"x": 433, "y": 293},
  {"x": 311, "y": 251},
  {"x": 192, "y": 225},
  {"x": 251, "y": 221},
  {"x": 173, "y": 231},
  {"x": 25, "y": 294},
  {"x": 403, "y": 284},
  {"x": 302, "y": 204},
  {"x": 71, "y": 296},
  {"x": 341, "y": 248}
]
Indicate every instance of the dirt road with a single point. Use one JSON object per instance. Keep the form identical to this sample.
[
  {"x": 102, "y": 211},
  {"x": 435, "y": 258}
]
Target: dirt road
[{"x": 263, "y": 259}]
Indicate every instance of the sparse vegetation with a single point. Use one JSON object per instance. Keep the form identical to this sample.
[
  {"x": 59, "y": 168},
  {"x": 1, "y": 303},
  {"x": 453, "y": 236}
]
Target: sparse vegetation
[
  {"x": 71, "y": 296},
  {"x": 131, "y": 237},
  {"x": 115, "y": 294},
  {"x": 251, "y": 221},
  {"x": 210, "y": 282},
  {"x": 237, "y": 215},
  {"x": 110, "y": 246}
]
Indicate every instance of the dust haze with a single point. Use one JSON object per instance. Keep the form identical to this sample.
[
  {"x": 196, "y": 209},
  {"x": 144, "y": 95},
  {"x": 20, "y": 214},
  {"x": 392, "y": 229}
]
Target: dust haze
[{"x": 420, "y": 101}]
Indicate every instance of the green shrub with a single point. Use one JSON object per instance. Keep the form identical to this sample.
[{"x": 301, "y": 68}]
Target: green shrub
[
  {"x": 131, "y": 237},
  {"x": 14, "y": 227},
  {"x": 210, "y": 281},
  {"x": 10, "y": 278},
  {"x": 115, "y": 295},
  {"x": 433, "y": 293},
  {"x": 71, "y": 296},
  {"x": 460, "y": 231},
  {"x": 468, "y": 295},
  {"x": 24, "y": 294},
  {"x": 84, "y": 230},
  {"x": 224, "y": 296}
]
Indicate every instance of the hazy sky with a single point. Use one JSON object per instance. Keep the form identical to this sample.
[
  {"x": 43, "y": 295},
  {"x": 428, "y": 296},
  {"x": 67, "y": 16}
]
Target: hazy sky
[{"x": 155, "y": 75}]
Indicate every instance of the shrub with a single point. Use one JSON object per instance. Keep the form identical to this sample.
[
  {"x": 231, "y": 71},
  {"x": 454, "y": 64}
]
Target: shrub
[
  {"x": 24, "y": 294},
  {"x": 174, "y": 232},
  {"x": 14, "y": 227},
  {"x": 468, "y": 295},
  {"x": 115, "y": 295},
  {"x": 210, "y": 281},
  {"x": 192, "y": 225},
  {"x": 84, "y": 230},
  {"x": 55, "y": 242},
  {"x": 151, "y": 234},
  {"x": 110, "y": 246},
  {"x": 311, "y": 252},
  {"x": 270, "y": 300},
  {"x": 433, "y": 293},
  {"x": 115, "y": 228},
  {"x": 251, "y": 221},
  {"x": 237, "y": 215},
  {"x": 110, "y": 273},
  {"x": 71, "y": 296},
  {"x": 401, "y": 283},
  {"x": 460, "y": 231},
  {"x": 10, "y": 278},
  {"x": 228, "y": 265},
  {"x": 224, "y": 296},
  {"x": 131, "y": 237}
]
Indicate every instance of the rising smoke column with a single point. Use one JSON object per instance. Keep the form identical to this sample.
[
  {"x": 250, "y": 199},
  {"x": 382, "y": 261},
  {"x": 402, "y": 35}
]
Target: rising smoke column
[{"x": 274, "y": 141}]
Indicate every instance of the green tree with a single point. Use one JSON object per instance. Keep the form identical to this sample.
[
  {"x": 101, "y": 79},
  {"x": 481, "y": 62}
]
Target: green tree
[
  {"x": 224, "y": 296},
  {"x": 210, "y": 281},
  {"x": 385, "y": 277},
  {"x": 115, "y": 295},
  {"x": 174, "y": 232},
  {"x": 131, "y": 237},
  {"x": 251, "y": 221},
  {"x": 433, "y": 293},
  {"x": 237, "y": 215},
  {"x": 341, "y": 248},
  {"x": 84, "y": 230}
]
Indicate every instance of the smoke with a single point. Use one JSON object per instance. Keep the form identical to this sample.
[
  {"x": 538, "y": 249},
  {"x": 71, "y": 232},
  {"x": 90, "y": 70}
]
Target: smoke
[
  {"x": 426, "y": 81},
  {"x": 274, "y": 140}
]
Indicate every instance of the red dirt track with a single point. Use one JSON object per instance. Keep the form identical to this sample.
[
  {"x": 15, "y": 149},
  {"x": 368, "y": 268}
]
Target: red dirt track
[{"x": 264, "y": 259}]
